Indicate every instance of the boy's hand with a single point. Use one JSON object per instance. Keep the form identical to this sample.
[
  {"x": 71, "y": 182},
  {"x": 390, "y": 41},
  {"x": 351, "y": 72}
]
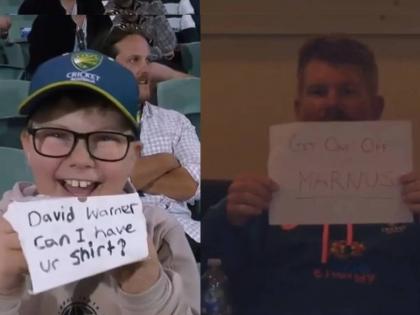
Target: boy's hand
[
  {"x": 249, "y": 196},
  {"x": 411, "y": 191},
  {"x": 13, "y": 265},
  {"x": 138, "y": 277}
]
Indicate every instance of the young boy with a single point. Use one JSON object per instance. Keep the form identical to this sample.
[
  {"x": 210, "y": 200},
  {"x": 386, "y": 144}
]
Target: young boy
[{"x": 81, "y": 139}]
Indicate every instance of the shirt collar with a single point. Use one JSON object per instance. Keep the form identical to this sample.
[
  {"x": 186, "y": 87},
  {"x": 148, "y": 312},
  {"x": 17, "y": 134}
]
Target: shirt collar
[{"x": 147, "y": 110}]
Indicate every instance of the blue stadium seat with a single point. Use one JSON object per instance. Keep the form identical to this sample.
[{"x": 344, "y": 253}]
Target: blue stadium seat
[
  {"x": 12, "y": 93},
  {"x": 10, "y": 72},
  {"x": 190, "y": 55},
  {"x": 13, "y": 168},
  {"x": 182, "y": 95},
  {"x": 10, "y": 130},
  {"x": 19, "y": 24},
  {"x": 9, "y": 6},
  {"x": 15, "y": 55}
]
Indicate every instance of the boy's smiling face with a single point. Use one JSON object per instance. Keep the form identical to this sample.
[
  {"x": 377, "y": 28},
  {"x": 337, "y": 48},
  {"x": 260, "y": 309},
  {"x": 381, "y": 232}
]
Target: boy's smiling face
[{"x": 78, "y": 174}]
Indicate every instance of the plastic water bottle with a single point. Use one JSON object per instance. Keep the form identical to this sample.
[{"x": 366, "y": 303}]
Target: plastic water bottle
[{"x": 215, "y": 294}]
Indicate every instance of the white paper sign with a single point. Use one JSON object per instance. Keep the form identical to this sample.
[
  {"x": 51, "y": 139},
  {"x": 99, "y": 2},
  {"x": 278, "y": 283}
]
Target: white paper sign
[
  {"x": 339, "y": 172},
  {"x": 64, "y": 239}
]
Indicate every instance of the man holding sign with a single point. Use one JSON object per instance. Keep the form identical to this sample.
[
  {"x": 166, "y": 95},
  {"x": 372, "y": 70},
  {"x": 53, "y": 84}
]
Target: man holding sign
[
  {"x": 81, "y": 231},
  {"x": 289, "y": 268}
]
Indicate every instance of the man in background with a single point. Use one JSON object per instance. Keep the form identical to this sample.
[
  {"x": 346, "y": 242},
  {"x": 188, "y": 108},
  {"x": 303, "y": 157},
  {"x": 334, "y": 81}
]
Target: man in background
[{"x": 168, "y": 173}]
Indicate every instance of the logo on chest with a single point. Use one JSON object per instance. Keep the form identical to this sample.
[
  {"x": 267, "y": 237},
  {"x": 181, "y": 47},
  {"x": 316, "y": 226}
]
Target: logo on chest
[
  {"x": 393, "y": 228},
  {"x": 341, "y": 250},
  {"x": 82, "y": 307}
]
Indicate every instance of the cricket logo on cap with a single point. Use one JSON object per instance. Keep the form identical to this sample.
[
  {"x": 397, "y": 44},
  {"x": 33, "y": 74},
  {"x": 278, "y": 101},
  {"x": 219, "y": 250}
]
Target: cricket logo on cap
[{"x": 86, "y": 60}]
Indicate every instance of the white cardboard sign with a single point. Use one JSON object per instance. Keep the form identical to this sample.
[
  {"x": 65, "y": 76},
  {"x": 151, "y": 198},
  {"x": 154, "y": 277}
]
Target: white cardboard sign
[
  {"x": 339, "y": 172},
  {"x": 65, "y": 240}
]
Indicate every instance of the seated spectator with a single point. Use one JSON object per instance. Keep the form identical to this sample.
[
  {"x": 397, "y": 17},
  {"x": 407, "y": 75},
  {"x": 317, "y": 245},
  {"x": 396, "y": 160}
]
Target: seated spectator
[
  {"x": 150, "y": 18},
  {"x": 166, "y": 23},
  {"x": 168, "y": 174},
  {"x": 184, "y": 18},
  {"x": 53, "y": 34},
  {"x": 156, "y": 70},
  {"x": 70, "y": 7}
]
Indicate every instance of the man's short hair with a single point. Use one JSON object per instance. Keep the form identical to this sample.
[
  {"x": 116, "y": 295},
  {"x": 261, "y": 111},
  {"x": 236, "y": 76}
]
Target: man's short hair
[{"x": 339, "y": 50}]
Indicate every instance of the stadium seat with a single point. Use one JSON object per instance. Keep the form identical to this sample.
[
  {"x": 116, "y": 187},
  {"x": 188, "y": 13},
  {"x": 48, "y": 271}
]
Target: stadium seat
[
  {"x": 12, "y": 93},
  {"x": 10, "y": 72},
  {"x": 24, "y": 46},
  {"x": 182, "y": 95},
  {"x": 13, "y": 168},
  {"x": 19, "y": 23},
  {"x": 6, "y": 8},
  {"x": 190, "y": 55},
  {"x": 10, "y": 129},
  {"x": 10, "y": 6},
  {"x": 195, "y": 120},
  {"x": 3, "y": 59},
  {"x": 15, "y": 55}
]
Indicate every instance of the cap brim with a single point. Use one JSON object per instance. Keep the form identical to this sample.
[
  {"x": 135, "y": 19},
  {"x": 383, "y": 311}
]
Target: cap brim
[{"x": 33, "y": 100}]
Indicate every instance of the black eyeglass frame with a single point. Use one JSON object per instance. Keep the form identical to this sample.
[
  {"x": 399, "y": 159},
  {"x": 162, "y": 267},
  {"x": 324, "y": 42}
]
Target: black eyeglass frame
[{"x": 84, "y": 136}]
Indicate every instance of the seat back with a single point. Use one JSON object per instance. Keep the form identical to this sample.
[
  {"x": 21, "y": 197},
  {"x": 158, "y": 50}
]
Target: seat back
[
  {"x": 10, "y": 6},
  {"x": 15, "y": 54},
  {"x": 182, "y": 95},
  {"x": 190, "y": 56},
  {"x": 13, "y": 168},
  {"x": 19, "y": 24},
  {"x": 10, "y": 72},
  {"x": 10, "y": 130},
  {"x": 3, "y": 59},
  {"x": 195, "y": 120},
  {"x": 12, "y": 93}
]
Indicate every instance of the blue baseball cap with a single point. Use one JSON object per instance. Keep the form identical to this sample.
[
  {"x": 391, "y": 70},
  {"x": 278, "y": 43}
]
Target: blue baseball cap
[{"x": 88, "y": 70}]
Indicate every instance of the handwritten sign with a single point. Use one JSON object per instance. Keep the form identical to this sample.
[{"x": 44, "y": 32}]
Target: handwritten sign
[
  {"x": 339, "y": 172},
  {"x": 65, "y": 240}
]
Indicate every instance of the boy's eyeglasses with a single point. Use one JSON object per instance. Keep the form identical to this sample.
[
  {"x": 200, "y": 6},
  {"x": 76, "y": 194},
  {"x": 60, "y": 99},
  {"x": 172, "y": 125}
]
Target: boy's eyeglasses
[{"x": 106, "y": 146}]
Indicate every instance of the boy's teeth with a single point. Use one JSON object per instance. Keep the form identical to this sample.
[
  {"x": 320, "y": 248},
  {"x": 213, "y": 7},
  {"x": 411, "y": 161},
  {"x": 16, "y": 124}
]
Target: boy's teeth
[
  {"x": 77, "y": 183},
  {"x": 84, "y": 184}
]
